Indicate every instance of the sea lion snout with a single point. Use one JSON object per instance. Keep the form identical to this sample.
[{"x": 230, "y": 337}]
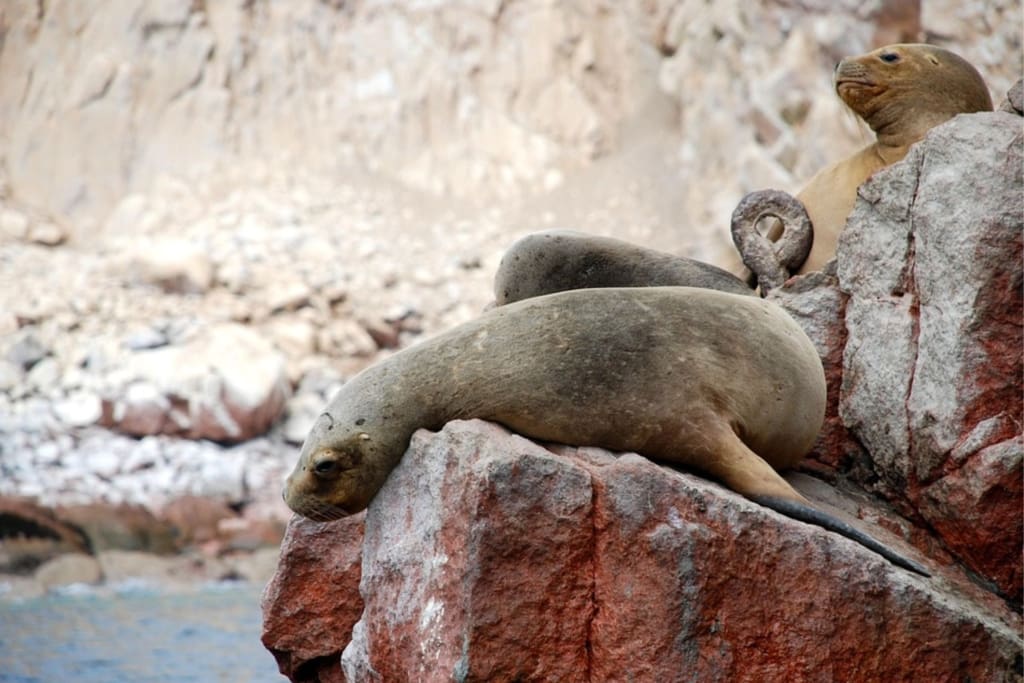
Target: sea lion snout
[
  {"x": 850, "y": 72},
  {"x": 328, "y": 481}
]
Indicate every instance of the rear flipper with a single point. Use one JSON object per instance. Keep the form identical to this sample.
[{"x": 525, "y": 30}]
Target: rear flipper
[
  {"x": 731, "y": 462},
  {"x": 810, "y": 515}
]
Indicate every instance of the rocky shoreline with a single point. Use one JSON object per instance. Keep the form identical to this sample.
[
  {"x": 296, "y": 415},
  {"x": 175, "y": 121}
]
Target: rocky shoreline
[{"x": 161, "y": 376}]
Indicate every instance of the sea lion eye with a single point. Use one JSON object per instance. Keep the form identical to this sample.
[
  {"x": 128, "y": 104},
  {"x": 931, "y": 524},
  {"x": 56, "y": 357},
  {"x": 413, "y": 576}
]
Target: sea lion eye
[
  {"x": 326, "y": 466},
  {"x": 889, "y": 57}
]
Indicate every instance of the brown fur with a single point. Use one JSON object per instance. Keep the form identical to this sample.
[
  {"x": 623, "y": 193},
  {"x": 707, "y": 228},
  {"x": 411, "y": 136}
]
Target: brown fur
[
  {"x": 723, "y": 383},
  {"x": 559, "y": 260}
]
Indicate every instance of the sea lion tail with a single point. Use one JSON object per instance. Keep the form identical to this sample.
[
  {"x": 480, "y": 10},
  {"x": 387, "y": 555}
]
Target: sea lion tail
[{"x": 811, "y": 515}]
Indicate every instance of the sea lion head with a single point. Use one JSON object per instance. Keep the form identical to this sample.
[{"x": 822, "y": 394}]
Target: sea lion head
[
  {"x": 904, "y": 90},
  {"x": 335, "y": 475}
]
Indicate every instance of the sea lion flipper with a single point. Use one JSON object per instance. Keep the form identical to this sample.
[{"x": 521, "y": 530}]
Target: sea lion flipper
[
  {"x": 812, "y": 515},
  {"x": 747, "y": 473},
  {"x": 730, "y": 461}
]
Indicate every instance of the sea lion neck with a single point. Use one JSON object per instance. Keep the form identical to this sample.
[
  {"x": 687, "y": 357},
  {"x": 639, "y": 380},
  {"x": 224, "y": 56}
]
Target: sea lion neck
[
  {"x": 895, "y": 131},
  {"x": 902, "y": 91}
]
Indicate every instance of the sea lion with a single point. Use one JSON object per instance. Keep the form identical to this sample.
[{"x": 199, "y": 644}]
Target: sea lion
[
  {"x": 725, "y": 384},
  {"x": 901, "y": 92},
  {"x": 559, "y": 260}
]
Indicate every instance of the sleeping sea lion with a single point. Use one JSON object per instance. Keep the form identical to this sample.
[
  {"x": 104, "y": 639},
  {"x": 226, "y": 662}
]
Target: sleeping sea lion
[
  {"x": 558, "y": 260},
  {"x": 725, "y": 384}
]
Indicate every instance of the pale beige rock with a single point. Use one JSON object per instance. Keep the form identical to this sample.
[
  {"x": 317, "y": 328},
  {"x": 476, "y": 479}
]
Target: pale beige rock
[
  {"x": 20, "y": 588},
  {"x": 13, "y": 224},
  {"x": 47, "y": 233},
  {"x": 229, "y": 384},
  {"x": 258, "y": 566},
  {"x": 10, "y": 375},
  {"x": 295, "y": 338},
  {"x": 121, "y": 565},
  {"x": 288, "y": 296},
  {"x": 69, "y": 569},
  {"x": 174, "y": 265},
  {"x": 345, "y": 338},
  {"x": 8, "y": 323},
  {"x": 80, "y": 409}
]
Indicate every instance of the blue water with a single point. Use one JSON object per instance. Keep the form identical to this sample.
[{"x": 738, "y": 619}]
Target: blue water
[{"x": 206, "y": 634}]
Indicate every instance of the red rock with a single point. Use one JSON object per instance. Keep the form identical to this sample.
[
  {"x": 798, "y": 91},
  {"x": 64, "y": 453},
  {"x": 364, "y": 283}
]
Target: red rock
[
  {"x": 694, "y": 583},
  {"x": 313, "y": 601},
  {"x": 972, "y": 510},
  {"x": 488, "y": 557},
  {"x": 480, "y": 551},
  {"x": 386, "y": 335},
  {"x": 817, "y": 304},
  {"x": 31, "y": 534},
  {"x": 932, "y": 369},
  {"x": 196, "y": 517}
]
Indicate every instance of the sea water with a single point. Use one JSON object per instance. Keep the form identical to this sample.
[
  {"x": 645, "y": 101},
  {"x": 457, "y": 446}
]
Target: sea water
[{"x": 136, "y": 633}]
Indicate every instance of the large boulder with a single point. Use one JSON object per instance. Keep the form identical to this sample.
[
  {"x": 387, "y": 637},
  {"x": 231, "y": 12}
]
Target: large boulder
[
  {"x": 490, "y": 557},
  {"x": 921, "y": 336},
  {"x": 312, "y": 603},
  {"x": 31, "y": 534},
  {"x": 121, "y": 526},
  {"x": 228, "y": 384},
  {"x": 932, "y": 368}
]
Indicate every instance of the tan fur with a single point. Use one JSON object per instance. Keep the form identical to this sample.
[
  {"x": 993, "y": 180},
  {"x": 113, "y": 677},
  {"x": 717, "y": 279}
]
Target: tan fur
[
  {"x": 901, "y": 92},
  {"x": 724, "y": 383}
]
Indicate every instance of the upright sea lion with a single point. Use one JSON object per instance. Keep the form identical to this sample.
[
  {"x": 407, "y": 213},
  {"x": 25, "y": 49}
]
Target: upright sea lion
[
  {"x": 559, "y": 260},
  {"x": 901, "y": 92},
  {"x": 725, "y": 384}
]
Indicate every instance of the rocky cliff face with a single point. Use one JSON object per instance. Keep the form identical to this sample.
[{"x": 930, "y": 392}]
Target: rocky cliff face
[
  {"x": 932, "y": 366},
  {"x": 467, "y": 98},
  {"x": 488, "y": 557}
]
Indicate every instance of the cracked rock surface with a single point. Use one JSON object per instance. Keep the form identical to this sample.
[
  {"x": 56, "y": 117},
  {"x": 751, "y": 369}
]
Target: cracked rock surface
[{"x": 489, "y": 557}]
